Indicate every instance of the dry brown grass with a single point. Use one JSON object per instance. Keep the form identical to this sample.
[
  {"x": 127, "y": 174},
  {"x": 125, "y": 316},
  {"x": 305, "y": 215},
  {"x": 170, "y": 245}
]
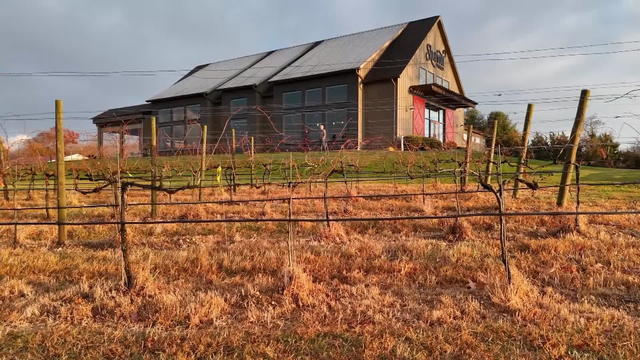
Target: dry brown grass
[{"x": 407, "y": 289}]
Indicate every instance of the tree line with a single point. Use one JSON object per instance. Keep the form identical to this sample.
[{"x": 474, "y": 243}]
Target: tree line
[{"x": 597, "y": 147}]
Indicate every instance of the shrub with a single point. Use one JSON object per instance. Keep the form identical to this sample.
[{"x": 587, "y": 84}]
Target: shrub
[
  {"x": 414, "y": 142},
  {"x": 450, "y": 145}
]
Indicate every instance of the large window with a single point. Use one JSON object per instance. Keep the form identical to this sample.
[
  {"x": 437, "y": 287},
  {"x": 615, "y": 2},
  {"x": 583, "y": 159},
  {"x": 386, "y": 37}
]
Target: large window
[
  {"x": 438, "y": 80},
  {"x": 193, "y": 112},
  {"x": 336, "y": 94},
  {"x": 292, "y": 125},
  {"x": 193, "y": 136},
  {"x": 434, "y": 123},
  {"x": 240, "y": 125},
  {"x": 313, "y": 97},
  {"x": 292, "y": 99},
  {"x": 336, "y": 123},
  {"x": 445, "y": 84},
  {"x": 238, "y": 104},
  {"x": 423, "y": 76},
  {"x": 164, "y": 115}
]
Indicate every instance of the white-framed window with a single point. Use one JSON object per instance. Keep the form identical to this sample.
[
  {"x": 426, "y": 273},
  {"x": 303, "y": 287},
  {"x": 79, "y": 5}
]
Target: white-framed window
[
  {"x": 313, "y": 97},
  {"x": 430, "y": 77},
  {"x": 292, "y": 99},
  {"x": 422, "y": 76},
  {"x": 445, "y": 83},
  {"x": 336, "y": 94},
  {"x": 438, "y": 80}
]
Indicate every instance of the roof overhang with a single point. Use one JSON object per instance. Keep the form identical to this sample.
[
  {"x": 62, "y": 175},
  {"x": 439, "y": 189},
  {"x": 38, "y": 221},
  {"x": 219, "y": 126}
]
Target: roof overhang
[{"x": 443, "y": 97}]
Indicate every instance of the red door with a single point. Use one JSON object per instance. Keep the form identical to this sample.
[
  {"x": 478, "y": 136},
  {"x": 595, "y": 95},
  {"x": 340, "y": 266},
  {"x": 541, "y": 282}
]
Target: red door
[
  {"x": 418, "y": 115},
  {"x": 449, "y": 125}
]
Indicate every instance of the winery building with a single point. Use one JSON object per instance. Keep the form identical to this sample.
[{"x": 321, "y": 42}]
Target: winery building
[{"x": 368, "y": 89}]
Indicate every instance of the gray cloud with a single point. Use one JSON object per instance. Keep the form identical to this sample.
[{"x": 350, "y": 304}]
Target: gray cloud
[{"x": 115, "y": 35}]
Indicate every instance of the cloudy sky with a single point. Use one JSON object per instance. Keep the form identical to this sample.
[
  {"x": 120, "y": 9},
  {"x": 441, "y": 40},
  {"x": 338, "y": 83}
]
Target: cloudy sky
[{"x": 79, "y": 35}]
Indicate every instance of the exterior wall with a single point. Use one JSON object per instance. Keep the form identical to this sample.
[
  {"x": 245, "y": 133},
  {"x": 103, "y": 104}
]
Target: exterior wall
[
  {"x": 379, "y": 114},
  {"x": 411, "y": 76}
]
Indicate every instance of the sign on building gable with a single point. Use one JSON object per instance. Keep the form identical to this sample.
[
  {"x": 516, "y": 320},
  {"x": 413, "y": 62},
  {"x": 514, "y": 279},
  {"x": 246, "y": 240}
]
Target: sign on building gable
[{"x": 437, "y": 57}]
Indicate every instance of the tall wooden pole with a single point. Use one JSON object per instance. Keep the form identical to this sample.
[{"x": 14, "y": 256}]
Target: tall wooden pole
[
  {"x": 570, "y": 160},
  {"x": 492, "y": 150},
  {"x": 203, "y": 160},
  {"x": 4, "y": 169},
  {"x": 253, "y": 159},
  {"x": 154, "y": 167},
  {"x": 60, "y": 175},
  {"x": 127, "y": 273},
  {"x": 467, "y": 158},
  {"x": 525, "y": 146}
]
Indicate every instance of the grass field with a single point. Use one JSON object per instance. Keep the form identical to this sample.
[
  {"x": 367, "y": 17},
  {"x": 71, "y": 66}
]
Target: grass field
[{"x": 419, "y": 289}]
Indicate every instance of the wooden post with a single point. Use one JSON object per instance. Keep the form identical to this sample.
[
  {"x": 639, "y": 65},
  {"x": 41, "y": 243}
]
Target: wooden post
[
  {"x": 525, "y": 146},
  {"x": 253, "y": 160},
  {"x": 100, "y": 142},
  {"x": 3, "y": 169},
  {"x": 203, "y": 161},
  {"x": 15, "y": 210},
  {"x": 494, "y": 135},
  {"x": 570, "y": 160},
  {"x": 153, "y": 148},
  {"x": 503, "y": 224},
  {"x": 127, "y": 274},
  {"x": 467, "y": 158},
  {"x": 60, "y": 175},
  {"x": 326, "y": 201}
]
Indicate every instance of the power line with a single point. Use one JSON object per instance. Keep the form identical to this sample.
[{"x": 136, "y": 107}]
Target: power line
[{"x": 550, "y": 48}]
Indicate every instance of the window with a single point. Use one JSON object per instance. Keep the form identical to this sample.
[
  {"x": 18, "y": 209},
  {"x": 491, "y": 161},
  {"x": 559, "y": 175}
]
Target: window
[
  {"x": 438, "y": 80},
  {"x": 193, "y": 112},
  {"x": 429, "y": 77},
  {"x": 336, "y": 94},
  {"x": 164, "y": 115},
  {"x": 193, "y": 135},
  {"x": 164, "y": 138},
  {"x": 313, "y": 97},
  {"x": 292, "y": 99},
  {"x": 445, "y": 84},
  {"x": 238, "y": 104},
  {"x": 177, "y": 114},
  {"x": 178, "y": 136},
  {"x": 464, "y": 136},
  {"x": 422, "y": 76},
  {"x": 336, "y": 122},
  {"x": 240, "y": 125},
  {"x": 292, "y": 125},
  {"x": 313, "y": 120},
  {"x": 434, "y": 123}
]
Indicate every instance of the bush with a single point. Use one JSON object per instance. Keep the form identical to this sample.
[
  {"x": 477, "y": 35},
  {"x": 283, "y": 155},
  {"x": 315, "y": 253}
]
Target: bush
[
  {"x": 414, "y": 143},
  {"x": 450, "y": 145}
]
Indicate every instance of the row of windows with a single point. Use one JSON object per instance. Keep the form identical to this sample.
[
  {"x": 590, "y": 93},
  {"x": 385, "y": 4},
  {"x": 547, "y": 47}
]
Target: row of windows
[
  {"x": 308, "y": 124},
  {"x": 313, "y": 97},
  {"x": 474, "y": 139},
  {"x": 180, "y": 136},
  {"x": 427, "y": 77},
  {"x": 181, "y": 113}
]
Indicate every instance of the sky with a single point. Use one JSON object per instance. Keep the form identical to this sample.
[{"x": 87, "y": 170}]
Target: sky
[{"x": 79, "y": 35}]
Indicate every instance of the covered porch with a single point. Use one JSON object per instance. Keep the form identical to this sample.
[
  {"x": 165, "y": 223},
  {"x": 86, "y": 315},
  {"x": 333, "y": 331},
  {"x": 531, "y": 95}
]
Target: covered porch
[
  {"x": 129, "y": 126},
  {"x": 434, "y": 111}
]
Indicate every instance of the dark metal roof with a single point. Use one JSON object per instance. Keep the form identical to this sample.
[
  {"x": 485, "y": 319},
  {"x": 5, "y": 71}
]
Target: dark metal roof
[
  {"x": 441, "y": 96},
  {"x": 397, "y": 55},
  {"x": 127, "y": 111}
]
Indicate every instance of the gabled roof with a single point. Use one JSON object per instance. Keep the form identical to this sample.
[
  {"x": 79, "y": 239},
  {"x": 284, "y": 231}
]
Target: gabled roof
[
  {"x": 113, "y": 114},
  {"x": 209, "y": 77},
  {"x": 340, "y": 53},
  {"x": 397, "y": 55},
  {"x": 266, "y": 68}
]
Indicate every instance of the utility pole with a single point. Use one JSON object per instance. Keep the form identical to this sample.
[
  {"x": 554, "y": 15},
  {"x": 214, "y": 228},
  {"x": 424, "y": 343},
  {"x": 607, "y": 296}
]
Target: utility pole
[{"x": 570, "y": 160}]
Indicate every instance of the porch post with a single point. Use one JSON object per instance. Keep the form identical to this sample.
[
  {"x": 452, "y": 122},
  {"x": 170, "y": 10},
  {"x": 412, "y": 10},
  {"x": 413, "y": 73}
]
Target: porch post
[{"x": 100, "y": 141}]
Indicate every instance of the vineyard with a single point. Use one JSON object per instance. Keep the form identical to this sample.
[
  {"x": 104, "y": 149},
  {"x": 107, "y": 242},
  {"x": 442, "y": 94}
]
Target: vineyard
[{"x": 340, "y": 254}]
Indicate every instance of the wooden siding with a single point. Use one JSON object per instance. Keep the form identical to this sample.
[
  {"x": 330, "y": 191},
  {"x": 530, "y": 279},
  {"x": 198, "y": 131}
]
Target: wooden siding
[{"x": 411, "y": 76}]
